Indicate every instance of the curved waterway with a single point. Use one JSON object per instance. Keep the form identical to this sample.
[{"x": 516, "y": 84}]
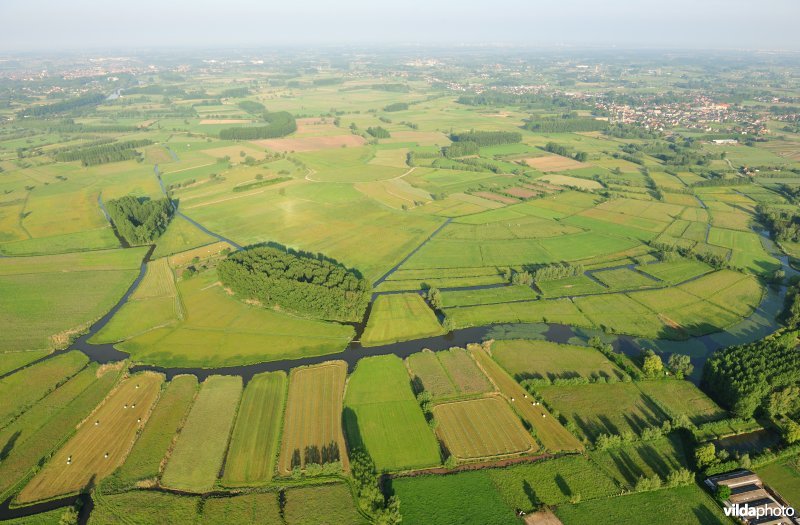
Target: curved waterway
[{"x": 759, "y": 324}]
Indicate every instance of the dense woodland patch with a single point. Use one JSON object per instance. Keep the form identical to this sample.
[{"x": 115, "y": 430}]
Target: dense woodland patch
[
  {"x": 278, "y": 124},
  {"x": 298, "y": 281},
  {"x": 140, "y": 221},
  {"x": 760, "y": 375}
]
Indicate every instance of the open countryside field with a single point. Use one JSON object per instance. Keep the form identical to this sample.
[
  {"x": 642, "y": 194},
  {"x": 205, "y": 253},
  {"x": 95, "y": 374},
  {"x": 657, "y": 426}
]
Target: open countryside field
[
  {"x": 254, "y": 444},
  {"x": 596, "y": 409},
  {"x": 199, "y": 452},
  {"x": 400, "y": 317},
  {"x": 548, "y": 430},
  {"x": 482, "y": 428},
  {"x": 80, "y": 287},
  {"x": 543, "y": 359},
  {"x": 382, "y": 416},
  {"x": 147, "y": 456},
  {"x": 313, "y": 417},
  {"x": 293, "y": 212},
  {"x": 44, "y": 426},
  {"x": 101, "y": 443}
]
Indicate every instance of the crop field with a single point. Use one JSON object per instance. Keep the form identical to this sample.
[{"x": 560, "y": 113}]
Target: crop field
[
  {"x": 566, "y": 180},
  {"x": 219, "y": 331},
  {"x": 382, "y": 415},
  {"x": 481, "y": 428},
  {"x": 101, "y": 443},
  {"x": 313, "y": 414},
  {"x": 687, "y": 504},
  {"x": 254, "y": 445},
  {"x": 596, "y": 409},
  {"x": 145, "y": 459},
  {"x": 399, "y": 317},
  {"x": 144, "y": 506},
  {"x": 199, "y": 452},
  {"x": 543, "y": 359},
  {"x": 21, "y": 390},
  {"x": 80, "y": 287},
  {"x": 43, "y": 427},
  {"x": 548, "y": 430}
]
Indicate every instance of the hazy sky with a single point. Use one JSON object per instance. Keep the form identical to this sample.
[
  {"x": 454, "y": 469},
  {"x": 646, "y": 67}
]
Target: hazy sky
[{"x": 106, "y": 25}]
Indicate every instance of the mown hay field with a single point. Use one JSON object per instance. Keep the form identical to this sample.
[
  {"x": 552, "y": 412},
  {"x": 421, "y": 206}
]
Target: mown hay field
[
  {"x": 254, "y": 444},
  {"x": 197, "y": 458},
  {"x": 149, "y": 452},
  {"x": 313, "y": 417},
  {"x": 481, "y": 428},
  {"x": 45, "y": 425},
  {"x": 101, "y": 443},
  {"x": 548, "y": 430}
]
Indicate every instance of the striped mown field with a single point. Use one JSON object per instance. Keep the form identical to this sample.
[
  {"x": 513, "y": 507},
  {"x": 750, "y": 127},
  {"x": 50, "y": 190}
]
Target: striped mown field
[
  {"x": 482, "y": 428},
  {"x": 313, "y": 414}
]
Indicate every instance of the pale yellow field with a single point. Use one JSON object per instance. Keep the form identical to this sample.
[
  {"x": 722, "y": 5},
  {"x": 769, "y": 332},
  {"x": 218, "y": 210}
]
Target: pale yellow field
[{"x": 101, "y": 443}]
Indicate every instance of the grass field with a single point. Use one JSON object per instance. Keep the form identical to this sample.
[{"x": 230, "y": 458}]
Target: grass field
[
  {"x": 784, "y": 477},
  {"x": 101, "y": 443},
  {"x": 330, "y": 504},
  {"x": 254, "y": 445},
  {"x": 446, "y": 374},
  {"x": 494, "y": 494},
  {"x": 145, "y": 460},
  {"x": 689, "y": 505},
  {"x": 46, "y": 300},
  {"x": 481, "y": 428},
  {"x": 400, "y": 317},
  {"x": 49, "y": 422},
  {"x": 219, "y": 330},
  {"x": 21, "y": 390},
  {"x": 683, "y": 397},
  {"x": 600, "y": 408},
  {"x": 313, "y": 413},
  {"x": 198, "y": 454},
  {"x": 382, "y": 415},
  {"x": 630, "y": 462},
  {"x": 625, "y": 279},
  {"x": 676, "y": 272},
  {"x": 548, "y": 430},
  {"x": 487, "y": 296},
  {"x": 543, "y": 359}
]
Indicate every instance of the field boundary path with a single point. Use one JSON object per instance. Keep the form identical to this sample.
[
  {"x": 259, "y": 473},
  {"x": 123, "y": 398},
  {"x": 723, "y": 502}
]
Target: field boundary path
[
  {"x": 194, "y": 223},
  {"x": 411, "y": 253}
]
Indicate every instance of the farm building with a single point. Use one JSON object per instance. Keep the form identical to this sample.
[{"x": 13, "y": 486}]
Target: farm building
[{"x": 752, "y": 501}]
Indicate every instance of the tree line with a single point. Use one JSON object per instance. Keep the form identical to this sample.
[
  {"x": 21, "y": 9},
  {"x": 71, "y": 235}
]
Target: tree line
[
  {"x": 139, "y": 220},
  {"x": 298, "y": 281},
  {"x": 397, "y": 106},
  {"x": 565, "y": 151},
  {"x": 565, "y": 125},
  {"x": 279, "y": 124},
  {"x": 63, "y": 106},
  {"x": 103, "y": 153},
  {"x": 487, "y": 138},
  {"x": 378, "y": 132}
]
